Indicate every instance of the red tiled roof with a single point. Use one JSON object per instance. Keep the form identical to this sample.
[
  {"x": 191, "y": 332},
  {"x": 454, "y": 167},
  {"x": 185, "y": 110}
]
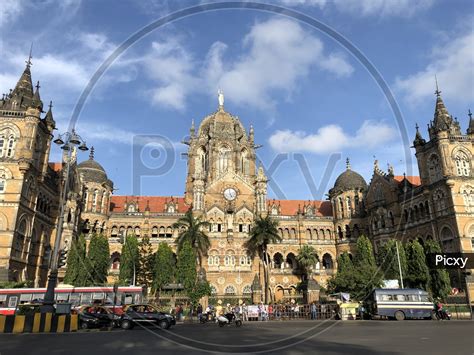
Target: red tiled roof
[
  {"x": 55, "y": 166},
  {"x": 414, "y": 180},
  {"x": 290, "y": 207},
  {"x": 156, "y": 203}
]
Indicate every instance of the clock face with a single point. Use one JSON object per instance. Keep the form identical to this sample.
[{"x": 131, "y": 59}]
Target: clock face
[{"x": 230, "y": 194}]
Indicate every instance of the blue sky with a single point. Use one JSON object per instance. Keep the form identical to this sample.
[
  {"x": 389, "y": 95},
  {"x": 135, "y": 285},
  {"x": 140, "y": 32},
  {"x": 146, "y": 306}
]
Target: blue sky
[{"x": 303, "y": 92}]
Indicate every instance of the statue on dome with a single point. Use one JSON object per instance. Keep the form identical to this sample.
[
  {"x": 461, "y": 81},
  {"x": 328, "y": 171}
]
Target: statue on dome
[{"x": 220, "y": 96}]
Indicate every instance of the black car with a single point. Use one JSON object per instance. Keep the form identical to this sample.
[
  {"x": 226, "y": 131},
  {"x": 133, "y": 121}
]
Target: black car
[
  {"x": 97, "y": 317},
  {"x": 145, "y": 314}
]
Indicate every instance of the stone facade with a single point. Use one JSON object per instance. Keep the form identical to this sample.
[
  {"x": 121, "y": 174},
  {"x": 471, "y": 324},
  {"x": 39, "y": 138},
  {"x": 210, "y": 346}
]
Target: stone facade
[{"x": 225, "y": 186}]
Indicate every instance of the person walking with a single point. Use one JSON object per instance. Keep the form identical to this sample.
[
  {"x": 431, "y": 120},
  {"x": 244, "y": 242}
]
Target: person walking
[{"x": 313, "y": 311}]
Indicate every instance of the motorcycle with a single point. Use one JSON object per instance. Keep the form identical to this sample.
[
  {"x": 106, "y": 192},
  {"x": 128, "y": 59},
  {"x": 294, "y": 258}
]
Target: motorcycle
[
  {"x": 442, "y": 314},
  {"x": 228, "y": 319},
  {"x": 206, "y": 317}
]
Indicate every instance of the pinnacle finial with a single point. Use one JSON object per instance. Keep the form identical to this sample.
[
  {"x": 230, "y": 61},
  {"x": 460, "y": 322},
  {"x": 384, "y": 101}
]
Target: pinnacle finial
[
  {"x": 51, "y": 104},
  {"x": 28, "y": 62},
  {"x": 417, "y": 127},
  {"x": 469, "y": 113},
  {"x": 437, "y": 92},
  {"x": 348, "y": 164},
  {"x": 91, "y": 154},
  {"x": 37, "y": 85}
]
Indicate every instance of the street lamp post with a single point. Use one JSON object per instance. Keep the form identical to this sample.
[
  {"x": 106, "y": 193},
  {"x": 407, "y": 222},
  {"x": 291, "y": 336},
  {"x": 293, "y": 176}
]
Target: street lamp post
[{"x": 68, "y": 142}]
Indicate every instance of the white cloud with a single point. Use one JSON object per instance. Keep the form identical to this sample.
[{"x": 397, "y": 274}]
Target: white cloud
[
  {"x": 280, "y": 53},
  {"x": 403, "y": 8},
  {"x": 172, "y": 66},
  {"x": 452, "y": 62},
  {"x": 332, "y": 138},
  {"x": 10, "y": 9}
]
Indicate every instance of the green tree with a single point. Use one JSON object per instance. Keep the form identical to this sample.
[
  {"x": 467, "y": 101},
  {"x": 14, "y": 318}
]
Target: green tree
[
  {"x": 358, "y": 277},
  {"x": 440, "y": 284},
  {"x": 145, "y": 263},
  {"x": 98, "y": 259},
  {"x": 129, "y": 260},
  {"x": 192, "y": 230},
  {"x": 418, "y": 275},
  {"x": 367, "y": 272},
  {"x": 263, "y": 232},
  {"x": 77, "y": 271},
  {"x": 388, "y": 260},
  {"x": 345, "y": 280},
  {"x": 306, "y": 258},
  {"x": 187, "y": 275},
  {"x": 164, "y": 268}
]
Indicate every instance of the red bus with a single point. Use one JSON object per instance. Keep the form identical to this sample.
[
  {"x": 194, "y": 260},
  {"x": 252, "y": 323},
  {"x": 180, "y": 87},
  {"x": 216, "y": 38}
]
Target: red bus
[{"x": 10, "y": 298}]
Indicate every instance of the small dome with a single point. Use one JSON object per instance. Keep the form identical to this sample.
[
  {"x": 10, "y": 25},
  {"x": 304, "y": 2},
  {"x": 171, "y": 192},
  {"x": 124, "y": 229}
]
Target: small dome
[
  {"x": 349, "y": 180},
  {"x": 92, "y": 171}
]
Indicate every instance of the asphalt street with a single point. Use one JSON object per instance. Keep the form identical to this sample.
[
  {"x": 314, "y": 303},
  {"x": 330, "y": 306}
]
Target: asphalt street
[{"x": 287, "y": 337}]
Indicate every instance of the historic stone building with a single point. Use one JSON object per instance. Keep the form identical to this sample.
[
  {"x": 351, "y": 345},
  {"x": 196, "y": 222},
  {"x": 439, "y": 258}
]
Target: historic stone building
[{"x": 225, "y": 186}]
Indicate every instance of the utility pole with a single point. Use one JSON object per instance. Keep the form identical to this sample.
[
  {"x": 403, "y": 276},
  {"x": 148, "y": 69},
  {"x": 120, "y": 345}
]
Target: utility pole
[{"x": 399, "y": 265}]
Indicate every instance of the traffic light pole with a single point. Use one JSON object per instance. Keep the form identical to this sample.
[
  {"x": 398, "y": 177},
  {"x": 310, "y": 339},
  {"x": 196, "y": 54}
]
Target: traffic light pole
[{"x": 48, "y": 303}]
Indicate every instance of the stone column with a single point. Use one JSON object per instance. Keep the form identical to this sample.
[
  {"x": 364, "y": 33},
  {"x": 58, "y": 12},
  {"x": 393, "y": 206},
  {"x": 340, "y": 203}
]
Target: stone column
[{"x": 311, "y": 294}]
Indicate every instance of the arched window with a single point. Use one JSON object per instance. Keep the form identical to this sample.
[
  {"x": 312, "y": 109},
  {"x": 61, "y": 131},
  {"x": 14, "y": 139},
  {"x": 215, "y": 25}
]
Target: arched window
[
  {"x": 434, "y": 169},
  {"x": 327, "y": 261},
  {"x": 223, "y": 160},
  {"x": 94, "y": 200},
  {"x": 230, "y": 290},
  {"x": 20, "y": 237},
  {"x": 278, "y": 261},
  {"x": 463, "y": 165},
  {"x": 171, "y": 208},
  {"x": 247, "y": 290},
  {"x": 348, "y": 206},
  {"x": 308, "y": 233},
  {"x": 7, "y": 143},
  {"x": 447, "y": 239},
  {"x": 274, "y": 210},
  {"x": 467, "y": 192},
  {"x": 244, "y": 162},
  {"x": 341, "y": 206}
]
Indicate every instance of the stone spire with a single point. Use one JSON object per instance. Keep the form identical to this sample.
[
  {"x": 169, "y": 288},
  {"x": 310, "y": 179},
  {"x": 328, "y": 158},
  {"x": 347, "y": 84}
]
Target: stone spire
[
  {"x": 418, "y": 138},
  {"x": 49, "y": 116},
  {"x": 251, "y": 133},
  {"x": 470, "y": 129},
  {"x": 21, "y": 96},
  {"x": 442, "y": 120},
  {"x": 36, "y": 102}
]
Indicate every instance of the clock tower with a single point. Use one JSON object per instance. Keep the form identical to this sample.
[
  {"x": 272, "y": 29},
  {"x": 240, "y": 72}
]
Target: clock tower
[{"x": 222, "y": 176}]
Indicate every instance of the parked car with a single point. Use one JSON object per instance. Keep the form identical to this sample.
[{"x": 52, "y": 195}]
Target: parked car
[
  {"x": 97, "y": 317},
  {"x": 145, "y": 314}
]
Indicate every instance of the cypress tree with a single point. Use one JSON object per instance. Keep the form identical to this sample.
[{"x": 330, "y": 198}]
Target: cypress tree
[
  {"x": 187, "y": 274},
  {"x": 418, "y": 275},
  {"x": 163, "y": 268},
  {"x": 145, "y": 263},
  {"x": 99, "y": 259},
  {"x": 77, "y": 263},
  {"x": 440, "y": 284},
  {"x": 129, "y": 260}
]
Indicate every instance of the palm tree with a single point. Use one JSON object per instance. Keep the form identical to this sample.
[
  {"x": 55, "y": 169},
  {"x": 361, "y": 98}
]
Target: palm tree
[
  {"x": 263, "y": 232},
  {"x": 193, "y": 232},
  {"x": 306, "y": 258}
]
